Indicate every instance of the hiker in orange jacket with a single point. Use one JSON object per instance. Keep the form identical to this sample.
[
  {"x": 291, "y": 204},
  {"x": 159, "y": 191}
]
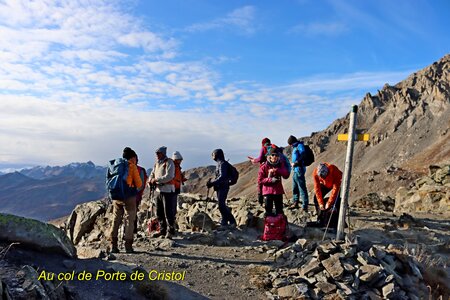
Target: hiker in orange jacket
[
  {"x": 126, "y": 208},
  {"x": 327, "y": 178},
  {"x": 178, "y": 181}
]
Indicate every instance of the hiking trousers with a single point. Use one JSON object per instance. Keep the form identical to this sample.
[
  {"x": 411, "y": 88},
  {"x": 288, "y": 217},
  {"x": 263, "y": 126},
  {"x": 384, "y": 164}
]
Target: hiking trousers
[
  {"x": 270, "y": 200},
  {"x": 299, "y": 190},
  {"x": 125, "y": 210},
  {"x": 166, "y": 210},
  {"x": 225, "y": 211}
]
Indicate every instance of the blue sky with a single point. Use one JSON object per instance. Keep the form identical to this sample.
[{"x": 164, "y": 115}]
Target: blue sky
[{"x": 80, "y": 80}]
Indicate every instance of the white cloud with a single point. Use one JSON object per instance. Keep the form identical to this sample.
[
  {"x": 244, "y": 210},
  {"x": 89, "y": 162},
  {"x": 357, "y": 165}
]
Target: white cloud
[
  {"x": 70, "y": 90},
  {"x": 242, "y": 18}
]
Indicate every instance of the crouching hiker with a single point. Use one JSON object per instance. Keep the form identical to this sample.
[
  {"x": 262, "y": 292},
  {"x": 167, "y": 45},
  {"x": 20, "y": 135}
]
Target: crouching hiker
[
  {"x": 269, "y": 177},
  {"x": 327, "y": 177},
  {"x": 221, "y": 185},
  {"x": 162, "y": 175},
  {"x": 123, "y": 194}
]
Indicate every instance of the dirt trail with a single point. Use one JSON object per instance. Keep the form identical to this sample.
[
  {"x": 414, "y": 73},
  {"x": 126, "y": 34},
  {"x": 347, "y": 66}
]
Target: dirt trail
[{"x": 216, "y": 272}]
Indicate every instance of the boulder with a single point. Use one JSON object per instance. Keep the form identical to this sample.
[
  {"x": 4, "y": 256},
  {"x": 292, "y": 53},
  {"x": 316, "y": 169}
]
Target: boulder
[
  {"x": 83, "y": 218},
  {"x": 36, "y": 234}
]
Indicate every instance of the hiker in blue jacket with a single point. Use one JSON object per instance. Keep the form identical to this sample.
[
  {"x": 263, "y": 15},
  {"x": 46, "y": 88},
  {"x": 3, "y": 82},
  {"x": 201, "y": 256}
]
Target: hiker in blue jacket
[
  {"x": 221, "y": 185},
  {"x": 298, "y": 179}
]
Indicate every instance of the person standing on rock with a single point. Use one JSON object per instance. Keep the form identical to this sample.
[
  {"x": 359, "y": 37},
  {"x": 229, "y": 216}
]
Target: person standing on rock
[
  {"x": 327, "y": 177},
  {"x": 298, "y": 179},
  {"x": 126, "y": 208},
  {"x": 221, "y": 185},
  {"x": 270, "y": 175},
  {"x": 162, "y": 177},
  {"x": 179, "y": 178}
]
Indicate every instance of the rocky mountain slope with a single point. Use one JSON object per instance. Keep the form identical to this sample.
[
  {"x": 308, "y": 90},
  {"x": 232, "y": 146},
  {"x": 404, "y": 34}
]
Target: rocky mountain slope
[{"x": 409, "y": 127}]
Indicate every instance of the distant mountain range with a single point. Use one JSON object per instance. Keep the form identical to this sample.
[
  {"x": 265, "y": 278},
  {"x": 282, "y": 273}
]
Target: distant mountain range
[{"x": 47, "y": 193}]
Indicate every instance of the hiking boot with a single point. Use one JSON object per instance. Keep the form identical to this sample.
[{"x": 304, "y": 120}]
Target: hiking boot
[
  {"x": 114, "y": 248},
  {"x": 129, "y": 247},
  {"x": 305, "y": 209},
  {"x": 294, "y": 205},
  {"x": 158, "y": 234},
  {"x": 222, "y": 227},
  {"x": 169, "y": 235}
]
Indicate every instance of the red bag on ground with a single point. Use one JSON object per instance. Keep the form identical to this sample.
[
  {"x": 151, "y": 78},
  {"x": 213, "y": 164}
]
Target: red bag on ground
[
  {"x": 153, "y": 226},
  {"x": 275, "y": 228}
]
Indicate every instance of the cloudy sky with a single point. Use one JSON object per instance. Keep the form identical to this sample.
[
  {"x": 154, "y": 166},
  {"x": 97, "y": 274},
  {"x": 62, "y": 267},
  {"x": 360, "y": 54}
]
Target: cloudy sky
[{"x": 80, "y": 80}]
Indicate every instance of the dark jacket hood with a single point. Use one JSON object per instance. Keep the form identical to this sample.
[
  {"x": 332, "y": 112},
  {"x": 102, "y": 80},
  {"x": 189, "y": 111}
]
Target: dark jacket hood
[{"x": 218, "y": 155}]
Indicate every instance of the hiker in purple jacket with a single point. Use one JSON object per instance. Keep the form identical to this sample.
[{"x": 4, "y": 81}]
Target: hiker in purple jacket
[{"x": 269, "y": 177}]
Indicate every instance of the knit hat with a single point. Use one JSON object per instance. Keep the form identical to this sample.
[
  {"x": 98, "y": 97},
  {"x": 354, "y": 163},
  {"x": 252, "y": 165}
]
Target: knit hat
[
  {"x": 322, "y": 170},
  {"x": 177, "y": 155},
  {"x": 128, "y": 153},
  {"x": 265, "y": 141},
  {"x": 292, "y": 140},
  {"x": 162, "y": 149},
  {"x": 273, "y": 150}
]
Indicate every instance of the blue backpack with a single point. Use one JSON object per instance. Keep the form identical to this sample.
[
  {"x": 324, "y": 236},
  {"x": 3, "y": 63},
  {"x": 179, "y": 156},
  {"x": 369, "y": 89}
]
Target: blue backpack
[{"x": 116, "y": 180}]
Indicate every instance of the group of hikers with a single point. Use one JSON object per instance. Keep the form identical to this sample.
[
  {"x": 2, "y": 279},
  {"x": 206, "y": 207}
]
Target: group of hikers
[{"x": 126, "y": 181}]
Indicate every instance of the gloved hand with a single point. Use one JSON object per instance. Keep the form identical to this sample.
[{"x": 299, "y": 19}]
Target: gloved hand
[{"x": 260, "y": 199}]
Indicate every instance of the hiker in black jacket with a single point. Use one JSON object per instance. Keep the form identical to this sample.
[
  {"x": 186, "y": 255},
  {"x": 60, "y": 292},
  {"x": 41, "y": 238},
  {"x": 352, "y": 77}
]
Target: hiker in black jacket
[{"x": 221, "y": 185}]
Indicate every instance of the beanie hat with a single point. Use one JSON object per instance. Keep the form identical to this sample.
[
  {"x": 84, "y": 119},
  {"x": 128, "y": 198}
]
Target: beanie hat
[
  {"x": 265, "y": 141},
  {"x": 162, "y": 149},
  {"x": 177, "y": 155},
  {"x": 128, "y": 153},
  {"x": 273, "y": 150},
  {"x": 292, "y": 140},
  {"x": 322, "y": 170}
]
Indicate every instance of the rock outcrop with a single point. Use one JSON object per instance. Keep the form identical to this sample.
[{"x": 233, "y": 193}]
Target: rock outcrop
[
  {"x": 429, "y": 194},
  {"x": 35, "y": 234}
]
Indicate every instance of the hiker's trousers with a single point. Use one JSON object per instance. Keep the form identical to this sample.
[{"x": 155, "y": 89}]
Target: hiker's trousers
[
  {"x": 299, "y": 190},
  {"x": 225, "y": 211},
  {"x": 166, "y": 210},
  {"x": 126, "y": 210}
]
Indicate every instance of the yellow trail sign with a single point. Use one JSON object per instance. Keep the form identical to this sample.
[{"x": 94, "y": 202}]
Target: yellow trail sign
[{"x": 360, "y": 137}]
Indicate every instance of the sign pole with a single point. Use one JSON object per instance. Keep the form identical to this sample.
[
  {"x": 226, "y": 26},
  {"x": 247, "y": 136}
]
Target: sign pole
[{"x": 347, "y": 175}]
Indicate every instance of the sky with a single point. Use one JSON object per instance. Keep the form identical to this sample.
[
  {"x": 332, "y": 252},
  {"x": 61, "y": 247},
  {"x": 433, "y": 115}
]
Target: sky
[{"x": 80, "y": 80}]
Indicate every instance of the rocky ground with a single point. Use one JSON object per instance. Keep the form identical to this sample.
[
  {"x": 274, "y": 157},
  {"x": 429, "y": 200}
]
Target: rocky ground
[{"x": 391, "y": 251}]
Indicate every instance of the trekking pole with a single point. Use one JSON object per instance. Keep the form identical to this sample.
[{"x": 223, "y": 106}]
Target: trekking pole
[
  {"x": 331, "y": 214},
  {"x": 206, "y": 210}
]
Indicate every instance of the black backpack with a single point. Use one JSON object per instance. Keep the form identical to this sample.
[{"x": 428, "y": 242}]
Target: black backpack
[
  {"x": 233, "y": 174},
  {"x": 308, "y": 156}
]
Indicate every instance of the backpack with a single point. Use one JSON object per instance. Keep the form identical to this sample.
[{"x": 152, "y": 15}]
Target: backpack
[
  {"x": 233, "y": 174},
  {"x": 116, "y": 180},
  {"x": 308, "y": 156},
  {"x": 287, "y": 163},
  {"x": 144, "y": 177},
  {"x": 275, "y": 228}
]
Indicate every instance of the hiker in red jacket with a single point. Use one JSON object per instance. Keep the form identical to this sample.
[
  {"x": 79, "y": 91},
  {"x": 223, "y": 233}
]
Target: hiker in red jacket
[{"x": 269, "y": 177}]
